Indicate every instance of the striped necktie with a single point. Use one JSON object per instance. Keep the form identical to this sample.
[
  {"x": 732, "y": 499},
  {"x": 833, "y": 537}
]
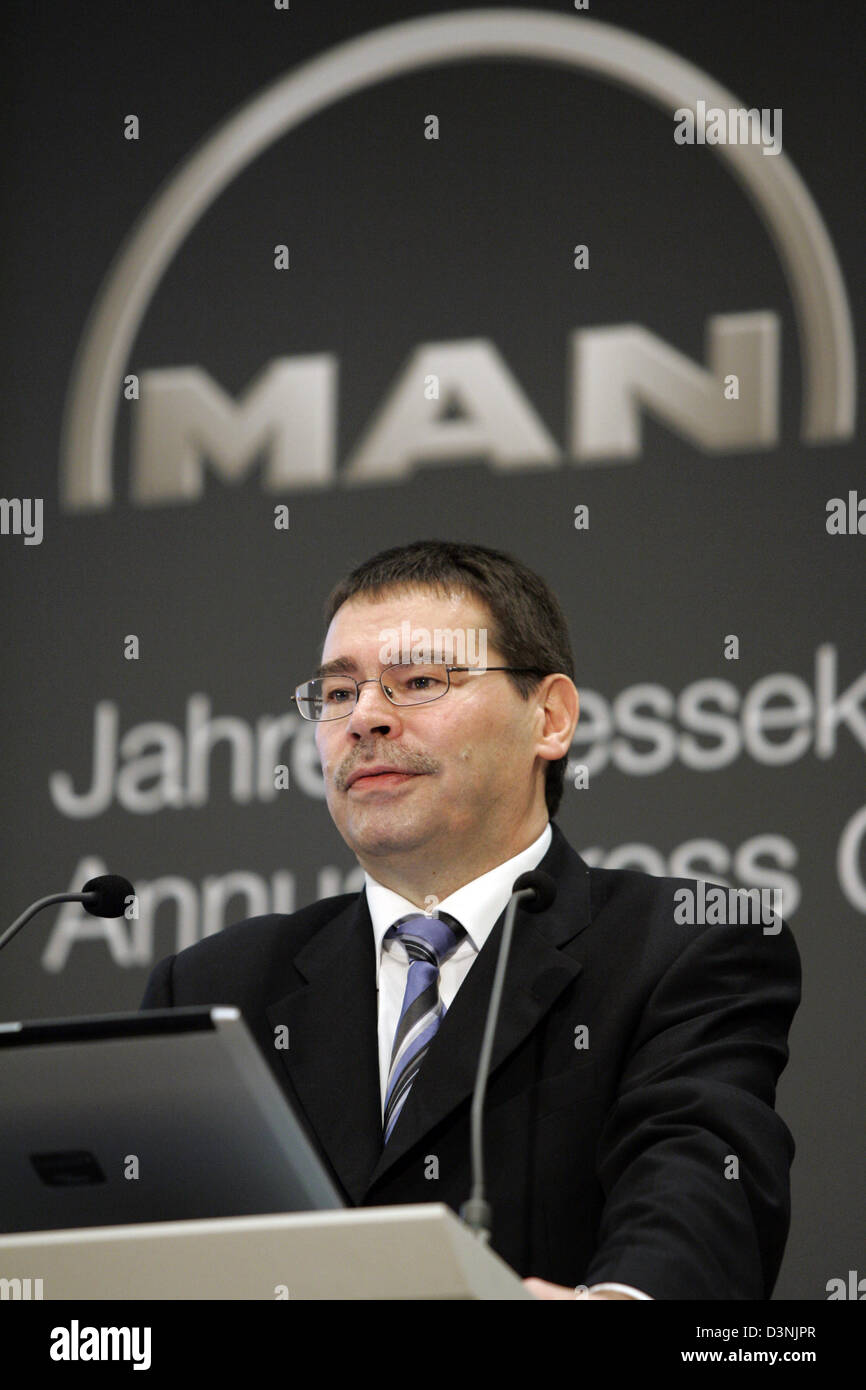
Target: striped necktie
[{"x": 428, "y": 941}]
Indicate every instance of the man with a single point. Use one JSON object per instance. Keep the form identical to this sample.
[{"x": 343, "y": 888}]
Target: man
[{"x": 631, "y": 1143}]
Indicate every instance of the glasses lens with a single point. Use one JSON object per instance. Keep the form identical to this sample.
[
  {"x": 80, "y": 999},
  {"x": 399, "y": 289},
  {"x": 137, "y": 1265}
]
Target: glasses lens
[
  {"x": 332, "y": 697},
  {"x": 415, "y": 684},
  {"x": 328, "y": 698}
]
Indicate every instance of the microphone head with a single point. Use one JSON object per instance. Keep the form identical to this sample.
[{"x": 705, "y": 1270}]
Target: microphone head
[
  {"x": 107, "y": 895},
  {"x": 543, "y": 886}
]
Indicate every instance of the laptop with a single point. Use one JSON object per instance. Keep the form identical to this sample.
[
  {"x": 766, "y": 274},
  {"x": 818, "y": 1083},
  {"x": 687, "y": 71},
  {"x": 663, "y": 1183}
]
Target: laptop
[{"x": 165, "y": 1115}]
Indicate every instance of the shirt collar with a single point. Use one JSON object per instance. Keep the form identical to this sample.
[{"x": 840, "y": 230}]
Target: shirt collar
[{"x": 477, "y": 905}]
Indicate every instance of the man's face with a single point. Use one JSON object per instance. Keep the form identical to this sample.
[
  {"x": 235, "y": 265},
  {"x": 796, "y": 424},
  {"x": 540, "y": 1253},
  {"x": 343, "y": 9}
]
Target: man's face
[{"x": 470, "y": 755}]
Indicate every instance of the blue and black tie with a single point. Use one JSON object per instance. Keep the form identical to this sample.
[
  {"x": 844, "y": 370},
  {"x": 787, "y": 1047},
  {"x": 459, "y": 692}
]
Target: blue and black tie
[{"x": 428, "y": 941}]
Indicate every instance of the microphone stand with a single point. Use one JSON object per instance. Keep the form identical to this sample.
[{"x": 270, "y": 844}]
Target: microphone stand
[{"x": 476, "y": 1211}]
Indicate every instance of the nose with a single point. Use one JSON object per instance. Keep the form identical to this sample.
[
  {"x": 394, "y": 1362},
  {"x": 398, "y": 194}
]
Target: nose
[{"x": 373, "y": 712}]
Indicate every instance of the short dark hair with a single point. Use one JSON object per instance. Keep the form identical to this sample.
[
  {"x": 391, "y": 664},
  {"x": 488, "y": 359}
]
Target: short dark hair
[{"x": 529, "y": 626}]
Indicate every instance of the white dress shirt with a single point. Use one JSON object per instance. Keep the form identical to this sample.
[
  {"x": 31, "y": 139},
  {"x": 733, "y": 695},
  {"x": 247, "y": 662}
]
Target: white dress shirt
[{"x": 477, "y": 907}]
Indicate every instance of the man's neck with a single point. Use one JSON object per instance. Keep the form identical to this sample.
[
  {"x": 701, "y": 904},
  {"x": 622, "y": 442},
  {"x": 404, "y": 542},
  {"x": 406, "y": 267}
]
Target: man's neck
[{"x": 439, "y": 882}]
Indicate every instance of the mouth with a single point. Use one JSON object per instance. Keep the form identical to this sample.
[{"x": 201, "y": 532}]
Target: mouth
[{"x": 384, "y": 778}]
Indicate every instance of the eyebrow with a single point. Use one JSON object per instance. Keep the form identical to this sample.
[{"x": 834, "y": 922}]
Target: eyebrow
[{"x": 340, "y": 666}]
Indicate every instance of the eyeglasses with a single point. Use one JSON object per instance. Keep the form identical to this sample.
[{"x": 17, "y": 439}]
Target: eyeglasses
[{"x": 419, "y": 683}]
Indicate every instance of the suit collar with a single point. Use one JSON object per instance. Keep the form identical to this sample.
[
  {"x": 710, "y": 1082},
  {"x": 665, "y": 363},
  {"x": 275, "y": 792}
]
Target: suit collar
[{"x": 332, "y": 1058}]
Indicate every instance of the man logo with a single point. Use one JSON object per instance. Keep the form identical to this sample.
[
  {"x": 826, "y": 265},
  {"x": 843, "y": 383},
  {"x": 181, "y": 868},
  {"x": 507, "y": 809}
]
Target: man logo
[{"x": 616, "y": 371}]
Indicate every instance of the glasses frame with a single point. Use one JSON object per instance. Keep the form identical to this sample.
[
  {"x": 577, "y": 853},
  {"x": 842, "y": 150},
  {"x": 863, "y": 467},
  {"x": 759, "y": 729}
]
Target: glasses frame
[{"x": 475, "y": 670}]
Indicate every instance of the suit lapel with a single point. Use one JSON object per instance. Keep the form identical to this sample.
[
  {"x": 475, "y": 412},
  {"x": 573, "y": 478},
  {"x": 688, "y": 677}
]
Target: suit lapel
[
  {"x": 332, "y": 1058},
  {"x": 538, "y": 971}
]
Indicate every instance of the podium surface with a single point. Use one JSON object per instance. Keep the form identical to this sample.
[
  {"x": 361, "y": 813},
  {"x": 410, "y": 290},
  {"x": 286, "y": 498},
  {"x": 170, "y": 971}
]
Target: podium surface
[{"x": 401, "y": 1252}]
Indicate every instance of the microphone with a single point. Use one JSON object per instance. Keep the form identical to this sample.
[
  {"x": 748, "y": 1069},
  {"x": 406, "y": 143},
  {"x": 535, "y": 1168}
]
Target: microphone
[
  {"x": 535, "y": 891},
  {"x": 105, "y": 896}
]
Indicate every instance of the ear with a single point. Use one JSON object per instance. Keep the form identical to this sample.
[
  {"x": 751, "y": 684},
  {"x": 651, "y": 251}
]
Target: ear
[{"x": 558, "y": 697}]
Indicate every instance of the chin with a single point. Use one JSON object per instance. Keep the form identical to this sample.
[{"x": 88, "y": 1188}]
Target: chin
[{"x": 385, "y": 838}]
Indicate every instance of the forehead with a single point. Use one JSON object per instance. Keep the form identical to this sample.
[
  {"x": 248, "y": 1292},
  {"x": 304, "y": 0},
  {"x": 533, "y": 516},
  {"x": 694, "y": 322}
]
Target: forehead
[{"x": 361, "y": 621}]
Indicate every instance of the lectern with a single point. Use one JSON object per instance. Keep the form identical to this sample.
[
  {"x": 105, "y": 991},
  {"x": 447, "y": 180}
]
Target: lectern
[
  {"x": 409, "y": 1252},
  {"x": 152, "y": 1155}
]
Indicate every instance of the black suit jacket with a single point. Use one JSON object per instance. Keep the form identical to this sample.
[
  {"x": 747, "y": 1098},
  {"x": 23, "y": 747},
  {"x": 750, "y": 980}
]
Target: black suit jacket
[{"x": 651, "y": 1156}]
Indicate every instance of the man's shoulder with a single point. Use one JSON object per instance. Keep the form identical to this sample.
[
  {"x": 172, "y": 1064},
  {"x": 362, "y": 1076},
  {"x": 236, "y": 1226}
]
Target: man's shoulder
[
  {"x": 258, "y": 939},
  {"x": 634, "y": 894},
  {"x": 627, "y": 889},
  {"x": 669, "y": 914}
]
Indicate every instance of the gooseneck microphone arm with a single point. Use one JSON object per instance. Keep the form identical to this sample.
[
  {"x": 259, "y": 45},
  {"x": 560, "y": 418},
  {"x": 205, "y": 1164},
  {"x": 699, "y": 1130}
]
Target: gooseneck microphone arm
[
  {"x": 105, "y": 896},
  {"x": 32, "y": 910},
  {"x": 536, "y": 890}
]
